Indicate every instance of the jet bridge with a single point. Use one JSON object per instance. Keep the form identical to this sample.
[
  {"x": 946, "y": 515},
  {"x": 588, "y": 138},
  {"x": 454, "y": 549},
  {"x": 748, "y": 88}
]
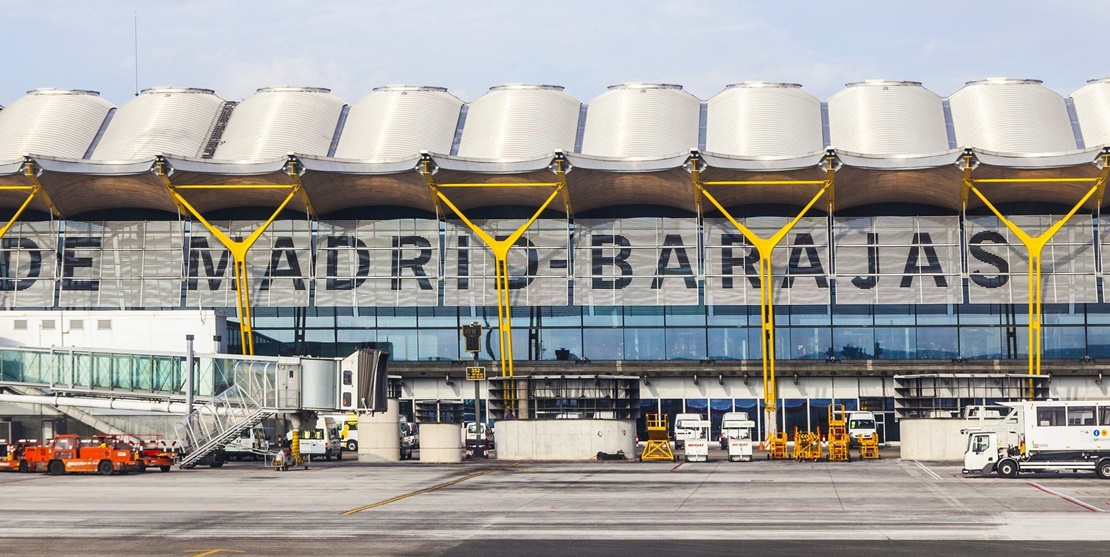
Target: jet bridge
[{"x": 232, "y": 393}]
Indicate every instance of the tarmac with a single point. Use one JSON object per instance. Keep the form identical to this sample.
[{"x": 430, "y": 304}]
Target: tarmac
[{"x": 491, "y": 507}]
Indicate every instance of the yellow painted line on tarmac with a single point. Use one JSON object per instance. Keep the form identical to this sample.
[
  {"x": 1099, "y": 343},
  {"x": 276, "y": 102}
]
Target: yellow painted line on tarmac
[
  {"x": 211, "y": 552},
  {"x": 428, "y": 490}
]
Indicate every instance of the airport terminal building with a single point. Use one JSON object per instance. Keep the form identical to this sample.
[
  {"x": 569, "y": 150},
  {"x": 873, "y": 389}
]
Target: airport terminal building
[{"x": 888, "y": 230}]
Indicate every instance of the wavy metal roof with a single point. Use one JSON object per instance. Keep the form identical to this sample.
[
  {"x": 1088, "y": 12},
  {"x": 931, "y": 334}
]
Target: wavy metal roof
[
  {"x": 169, "y": 120},
  {"x": 893, "y": 142},
  {"x": 51, "y": 122},
  {"x": 641, "y": 121},
  {"x": 276, "y": 121},
  {"x": 760, "y": 119},
  {"x": 396, "y": 122},
  {"x": 520, "y": 122},
  {"x": 1018, "y": 116}
]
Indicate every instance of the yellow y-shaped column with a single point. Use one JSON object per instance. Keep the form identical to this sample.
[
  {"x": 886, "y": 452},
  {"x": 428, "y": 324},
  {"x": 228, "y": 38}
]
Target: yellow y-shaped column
[
  {"x": 35, "y": 189},
  {"x": 1033, "y": 244},
  {"x": 764, "y": 247},
  {"x": 238, "y": 248},
  {"x": 500, "y": 249}
]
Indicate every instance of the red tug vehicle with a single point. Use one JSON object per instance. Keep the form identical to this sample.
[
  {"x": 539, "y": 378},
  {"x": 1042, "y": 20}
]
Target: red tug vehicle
[{"x": 69, "y": 453}]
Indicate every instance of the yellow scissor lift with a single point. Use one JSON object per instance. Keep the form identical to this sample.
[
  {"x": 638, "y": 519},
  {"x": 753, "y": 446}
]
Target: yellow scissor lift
[
  {"x": 838, "y": 434},
  {"x": 658, "y": 444}
]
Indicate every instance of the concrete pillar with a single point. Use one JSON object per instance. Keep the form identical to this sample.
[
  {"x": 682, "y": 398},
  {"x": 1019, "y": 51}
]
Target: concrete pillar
[
  {"x": 379, "y": 435},
  {"x": 440, "y": 443}
]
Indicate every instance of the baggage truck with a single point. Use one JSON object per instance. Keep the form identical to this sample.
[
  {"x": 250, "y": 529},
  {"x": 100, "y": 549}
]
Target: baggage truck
[
  {"x": 1043, "y": 436},
  {"x": 69, "y": 453}
]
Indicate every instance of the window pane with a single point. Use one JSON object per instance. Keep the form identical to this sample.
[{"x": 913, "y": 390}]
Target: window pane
[
  {"x": 554, "y": 340},
  {"x": 685, "y": 344},
  {"x": 603, "y": 344},
  {"x": 643, "y": 344},
  {"x": 936, "y": 342},
  {"x": 896, "y": 343},
  {"x": 854, "y": 344},
  {"x": 602, "y": 316},
  {"x": 728, "y": 344},
  {"x": 981, "y": 342},
  {"x": 1064, "y": 342}
]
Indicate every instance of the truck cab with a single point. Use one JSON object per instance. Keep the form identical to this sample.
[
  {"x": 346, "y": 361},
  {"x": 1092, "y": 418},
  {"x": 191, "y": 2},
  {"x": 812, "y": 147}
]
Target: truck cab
[{"x": 982, "y": 452}]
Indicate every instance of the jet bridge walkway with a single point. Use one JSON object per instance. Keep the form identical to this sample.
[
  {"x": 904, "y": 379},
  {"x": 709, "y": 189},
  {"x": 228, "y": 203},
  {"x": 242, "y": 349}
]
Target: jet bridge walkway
[{"x": 232, "y": 393}]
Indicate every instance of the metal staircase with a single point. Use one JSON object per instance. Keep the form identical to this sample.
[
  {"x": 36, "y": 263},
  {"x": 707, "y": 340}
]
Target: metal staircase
[{"x": 212, "y": 426}]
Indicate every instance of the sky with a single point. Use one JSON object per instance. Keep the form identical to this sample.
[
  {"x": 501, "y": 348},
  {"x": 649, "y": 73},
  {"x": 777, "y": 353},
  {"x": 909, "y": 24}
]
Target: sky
[{"x": 353, "y": 46}]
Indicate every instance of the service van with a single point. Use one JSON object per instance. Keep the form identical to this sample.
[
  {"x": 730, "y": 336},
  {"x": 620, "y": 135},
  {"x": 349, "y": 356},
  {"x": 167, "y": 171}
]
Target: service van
[
  {"x": 323, "y": 441},
  {"x": 251, "y": 444},
  {"x": 685, "y": 428},
  {"x": 860, "y": 424}
]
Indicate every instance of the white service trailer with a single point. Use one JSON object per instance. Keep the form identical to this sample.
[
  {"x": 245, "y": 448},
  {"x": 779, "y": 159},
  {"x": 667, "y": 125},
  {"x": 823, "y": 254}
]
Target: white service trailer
[{"x": 1043, "y": 436}]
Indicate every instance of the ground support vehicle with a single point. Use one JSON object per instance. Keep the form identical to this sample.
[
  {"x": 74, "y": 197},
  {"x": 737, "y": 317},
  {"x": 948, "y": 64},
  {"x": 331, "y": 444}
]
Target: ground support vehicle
[
  {"x": 11, "y": 454},
  {"x": 807, "y": 445},
  {"x": 153, "y": 451},
  {"x": 69, "y": 453},
  {"x": 250, "y": 445},
  {"x": 729, "y": 429},
  {"x": 696, "y": 446},
  {"x": 861, "y": 424},
  {"x": 737, "y": 435},
  {"x": 683, "y": 428},
  {"x": 478, "y": 441},
  {"x": 869, "y": 446},
  {"x": 1043, "y": 436},
  {"x": 658, "y": 444},
  {"x": 776, "y": 446},
  {"x": 322, "y": 441}
]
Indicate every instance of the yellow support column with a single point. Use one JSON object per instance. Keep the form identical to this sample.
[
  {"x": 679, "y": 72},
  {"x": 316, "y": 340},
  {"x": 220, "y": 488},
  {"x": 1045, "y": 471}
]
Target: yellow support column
[
  {"x": 500, "y": 249},
  {"x": 1033, "y": 244},
  {"x": 764, "y": 247},
  {"x": 33, "y": 190},
  {"x": 238, "y": 248}
]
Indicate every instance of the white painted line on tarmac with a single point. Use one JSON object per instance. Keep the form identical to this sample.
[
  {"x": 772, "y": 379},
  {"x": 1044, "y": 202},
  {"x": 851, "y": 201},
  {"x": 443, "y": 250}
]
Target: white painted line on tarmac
[
  {"x": 1067, "y": 498},
  {"x": 927, "y": 470}
]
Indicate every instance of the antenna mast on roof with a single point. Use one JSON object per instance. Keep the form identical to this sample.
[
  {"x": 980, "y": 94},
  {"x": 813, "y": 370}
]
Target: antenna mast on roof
[{"x": 136, "y": 54}]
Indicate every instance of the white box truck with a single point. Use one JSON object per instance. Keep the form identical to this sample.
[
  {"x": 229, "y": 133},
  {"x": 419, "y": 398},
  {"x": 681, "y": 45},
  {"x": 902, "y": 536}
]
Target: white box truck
[{"x": 1043, "y": 436}]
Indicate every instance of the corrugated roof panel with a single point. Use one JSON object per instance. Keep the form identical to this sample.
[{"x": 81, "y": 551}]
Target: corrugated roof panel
[
  {"x": 166, "y": 120},
  {"x": 51, "y": 122},
  {"x": 888, "y": 118},
  {"x": 1018, "y": 116},
  {"x": 280, "y": 120},
  {"x": 641, "y": 121},
  {"x": 758, "y": 119},
  {"x": 520, "y": 122},
  {"x": 1092, "y": 106},
  {"x": 396, "y": 122}
]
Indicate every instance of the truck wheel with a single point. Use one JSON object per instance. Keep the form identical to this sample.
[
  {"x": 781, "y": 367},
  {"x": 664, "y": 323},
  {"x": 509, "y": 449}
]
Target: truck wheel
[
  {"x": 56, "y": 468},
  {"x": 352, "y": 445},
  {"x": 104, "y": 468},
  {"x": 23, "y": 466},
  {"x": 1007, "y": 468},
  {"x": 164, "y": 468},
  {"x": 339, "y": 455},
  {"x": 1103, "y": 468}
]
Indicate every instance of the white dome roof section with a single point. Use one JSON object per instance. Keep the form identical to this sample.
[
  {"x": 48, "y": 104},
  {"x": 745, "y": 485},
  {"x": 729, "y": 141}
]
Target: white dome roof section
[
  {"x": 641, "y": 121},
  {"x": 757, "y": 119},
  {"x": 52, "y": 122},
  {"x": 1092, "y": 107},
  {"x": 397, "y": 122},
  {"x": 168, "y": 120},
  {"x": 878, "y": 117},
  {"x": 1012, "y": 116},
  {"x": 276, "y": 121},
  {"x": 518, "y": 122}
]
